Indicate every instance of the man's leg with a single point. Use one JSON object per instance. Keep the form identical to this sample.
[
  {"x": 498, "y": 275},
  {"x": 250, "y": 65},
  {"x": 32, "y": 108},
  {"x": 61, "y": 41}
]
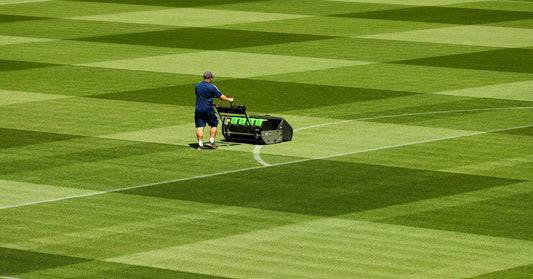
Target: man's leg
[
  {"x": 212, "y": 133},
  {"x": 200, "y": 137},
  {"x": 200, "y": 133}
]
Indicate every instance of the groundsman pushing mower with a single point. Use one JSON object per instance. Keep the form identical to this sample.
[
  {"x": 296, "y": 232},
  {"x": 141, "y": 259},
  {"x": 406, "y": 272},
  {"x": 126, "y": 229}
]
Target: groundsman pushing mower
[{"x": 259, "y": 129}]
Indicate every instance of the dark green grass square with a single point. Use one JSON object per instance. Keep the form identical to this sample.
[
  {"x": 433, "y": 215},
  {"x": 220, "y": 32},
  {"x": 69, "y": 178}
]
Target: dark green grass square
[
  {"x": 365, "y": 49},
  {"x": 504, "y": 60},
  {"x": 263, "y": 96},
  {"x": 78, "y": 52},
  {"x": 526, "y": 131},
  {"x": 14, "y": 261},
  {"x": 82, "y": 157},
  {"x": 81, "y": 81},
  {"x": 322, "y": 188},
  {"x": 508, "y": 217},
  {"x": 13, "y": 138},
  {"x": 444, "y": 15},
  {"x": 182, "y": 95},
  {"x": 67, "y": 9},
  {"x": 14, "y": 18},
  {"x": 12, "y": 65},
  {"x": 269, "y": 96},
  {"x": 205, "y": 38}
]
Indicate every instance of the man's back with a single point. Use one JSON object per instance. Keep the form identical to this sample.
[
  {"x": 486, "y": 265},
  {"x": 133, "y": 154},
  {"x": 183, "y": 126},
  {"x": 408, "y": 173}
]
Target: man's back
[{"x": 205, "y": 92}]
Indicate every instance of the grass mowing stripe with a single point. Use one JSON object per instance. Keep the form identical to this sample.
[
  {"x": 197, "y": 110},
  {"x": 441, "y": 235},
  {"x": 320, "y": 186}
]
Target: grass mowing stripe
[
  {"x": 507, "y": 60},
  {"x": 190, "y": 17},
  {"x": 24, "y": 2},
  {"x": 511, "y": 272},
  {"x": 441, "y": 202},
  {"x": 16, "y": 261},
  {"x": 259, "y": 167},
  {"x": 474, "y": 35},
  {"x": 449, "y": 15},
  {"x": 410, "y": 114},
  {"x": 338, "y": 248}
]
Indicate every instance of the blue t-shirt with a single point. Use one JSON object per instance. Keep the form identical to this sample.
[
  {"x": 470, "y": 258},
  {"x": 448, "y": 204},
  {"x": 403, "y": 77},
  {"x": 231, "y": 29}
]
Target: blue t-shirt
[{"x": 205, "y": 92}]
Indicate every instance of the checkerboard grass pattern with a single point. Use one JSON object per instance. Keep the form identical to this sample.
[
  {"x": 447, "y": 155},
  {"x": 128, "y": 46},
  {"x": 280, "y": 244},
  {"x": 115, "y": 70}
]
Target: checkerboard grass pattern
[{"x": 411, "y": 157}]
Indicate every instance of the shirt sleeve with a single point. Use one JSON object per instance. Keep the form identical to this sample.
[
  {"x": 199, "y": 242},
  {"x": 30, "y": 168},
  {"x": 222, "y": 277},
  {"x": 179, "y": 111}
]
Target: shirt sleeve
[{"x": 215, "y": 91}]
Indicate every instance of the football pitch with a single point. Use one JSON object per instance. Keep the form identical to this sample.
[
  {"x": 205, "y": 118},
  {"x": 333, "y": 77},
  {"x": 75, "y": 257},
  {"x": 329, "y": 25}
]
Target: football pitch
[{"x": 412, "y": 153}]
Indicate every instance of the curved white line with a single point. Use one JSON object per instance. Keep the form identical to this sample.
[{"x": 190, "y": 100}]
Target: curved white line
[
  {"x": 257, "y": 156},
  {"x": 257, "y": 149}
]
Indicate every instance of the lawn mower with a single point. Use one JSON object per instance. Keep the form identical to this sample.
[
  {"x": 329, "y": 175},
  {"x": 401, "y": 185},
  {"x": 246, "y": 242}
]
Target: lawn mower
[{"x": 259, "y": 129}]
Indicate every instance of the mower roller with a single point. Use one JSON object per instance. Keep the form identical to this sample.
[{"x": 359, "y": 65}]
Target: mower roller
[{"x": 259, "y": 129}]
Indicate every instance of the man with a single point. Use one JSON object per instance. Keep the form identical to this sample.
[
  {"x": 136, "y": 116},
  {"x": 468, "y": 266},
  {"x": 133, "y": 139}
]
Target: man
[{"x": 204, "y": 112}]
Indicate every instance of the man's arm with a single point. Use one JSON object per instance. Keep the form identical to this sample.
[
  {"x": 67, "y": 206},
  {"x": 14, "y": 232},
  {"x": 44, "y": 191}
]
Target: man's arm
[{"x": 227, "y": 99}]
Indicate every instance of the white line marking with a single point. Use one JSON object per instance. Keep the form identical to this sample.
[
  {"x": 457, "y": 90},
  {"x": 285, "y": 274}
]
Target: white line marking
[
  {"x": 257, "y": 156},
  {"x": 128, "y": 188},
  {"x": 260, "y": 167},
  {"x": 257, "y": 150}
]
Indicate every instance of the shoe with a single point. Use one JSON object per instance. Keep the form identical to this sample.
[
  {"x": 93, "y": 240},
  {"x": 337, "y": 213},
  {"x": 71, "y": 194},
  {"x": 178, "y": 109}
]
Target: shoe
[
  {"x": 212, "y": 145},
  {"x": 203, "y": 147}
]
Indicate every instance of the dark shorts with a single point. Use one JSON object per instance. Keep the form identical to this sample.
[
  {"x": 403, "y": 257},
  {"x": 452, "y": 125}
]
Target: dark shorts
[{"x": 203, "y": 117}]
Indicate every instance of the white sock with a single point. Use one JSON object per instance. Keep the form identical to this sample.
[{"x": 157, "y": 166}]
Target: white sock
[
  {"x": 212, "y": 140},
  {"x": 200, "y": 143}
]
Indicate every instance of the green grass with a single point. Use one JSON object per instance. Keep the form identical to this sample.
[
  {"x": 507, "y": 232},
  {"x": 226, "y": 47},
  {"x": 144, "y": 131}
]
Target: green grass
[{"x": 411, "y": 155}]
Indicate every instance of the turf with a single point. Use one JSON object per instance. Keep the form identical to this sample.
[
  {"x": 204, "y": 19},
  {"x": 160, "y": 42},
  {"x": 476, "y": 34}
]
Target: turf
[{"x": 411, "y": 155}]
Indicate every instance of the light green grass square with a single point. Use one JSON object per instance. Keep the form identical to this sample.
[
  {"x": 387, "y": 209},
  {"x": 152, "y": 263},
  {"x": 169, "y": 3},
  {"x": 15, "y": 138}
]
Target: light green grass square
[
  {"x": 476, "y": 35},
  {"x": 9, "y": 40},
  {"x": 15, "y": 193},
  {"x": 190, "y": 17},
  {"x": 13, "y": 97},
  {"x": 227, "y": 64},
  {"x": 357, "y": 137},
  {"x": 521, "y": 91},
  {"x": 336, "y": 248}
]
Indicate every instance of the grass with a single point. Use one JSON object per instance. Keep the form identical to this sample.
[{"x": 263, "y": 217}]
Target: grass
[{"x": 411, "y": 156}]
